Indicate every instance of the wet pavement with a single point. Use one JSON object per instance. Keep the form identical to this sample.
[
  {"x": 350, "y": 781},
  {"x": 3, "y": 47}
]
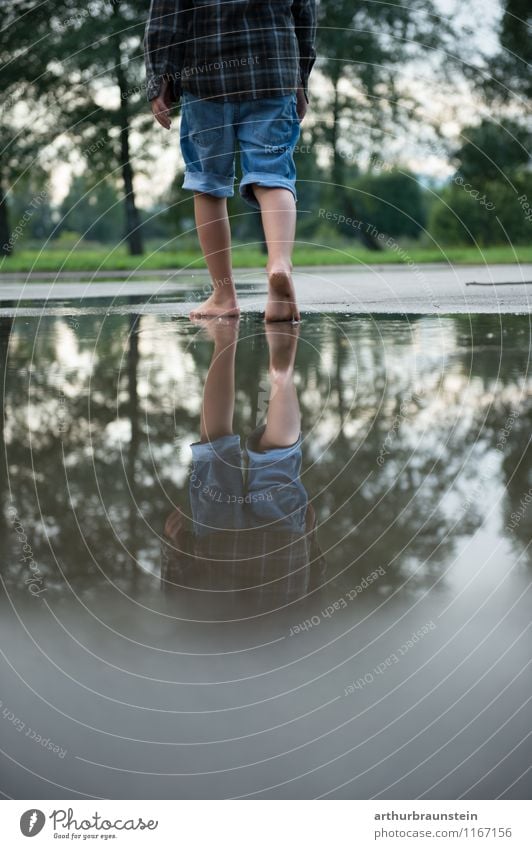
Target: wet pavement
[
  {"x": 409, "y": 288},
  {"x": 187, "y": 614}
]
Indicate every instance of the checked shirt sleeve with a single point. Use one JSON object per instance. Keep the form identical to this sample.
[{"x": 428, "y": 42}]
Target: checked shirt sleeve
[
  {"x": 304, "y": 14},
  {"x": 164, "y": 45}
]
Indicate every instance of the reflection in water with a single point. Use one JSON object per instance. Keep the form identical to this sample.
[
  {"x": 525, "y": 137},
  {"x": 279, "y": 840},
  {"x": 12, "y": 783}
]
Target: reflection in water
[
  {"x": 250, "y": 528},
  {"x": 271, "y": 562}
]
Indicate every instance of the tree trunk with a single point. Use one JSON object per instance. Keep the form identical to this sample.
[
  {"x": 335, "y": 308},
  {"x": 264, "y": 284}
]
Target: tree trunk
[
  {"x": 5, "y": 247},
  {"x": 337, "y": 165},
  {"x": 133, "y": 227},
  {"x": 133, "y": 233}
]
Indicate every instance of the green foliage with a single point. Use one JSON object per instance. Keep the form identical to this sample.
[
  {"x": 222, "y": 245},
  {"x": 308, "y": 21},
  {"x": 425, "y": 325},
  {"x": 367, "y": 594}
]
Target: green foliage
[
  {"x": 391, "y": 202},
  {"x": 461, "y": 219},
  {"x": 117, "y": 258},
  {"x": 67, "y": 240},
  {"x": 78, "y": 69},
  {"x": 28, "y": 81},
  {"x": 363, "y": 44},
  {"x": 177, "y": 213},
  {"x": 510, "y": 76},
  {"x": 482, "y": 204},
  {"x": 492, "y": 151},
  {"x": 31, "y": 207},
  {"x": 92, "y": 211}
]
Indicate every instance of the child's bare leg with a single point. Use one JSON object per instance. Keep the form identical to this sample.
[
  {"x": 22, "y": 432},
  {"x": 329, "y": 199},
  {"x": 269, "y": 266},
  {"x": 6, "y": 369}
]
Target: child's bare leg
[
  {"x": 278, "y": 210},
  {"x": 218, "y": 405},
  {"x": 283, "y": 420},
  {"x": 214, "y": 236}
]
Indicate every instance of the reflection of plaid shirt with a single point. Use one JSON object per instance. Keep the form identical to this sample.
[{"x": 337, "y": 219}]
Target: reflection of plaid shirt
[
  {"x": 283, "y": 565},
  {"x": 230, "y": 49}
]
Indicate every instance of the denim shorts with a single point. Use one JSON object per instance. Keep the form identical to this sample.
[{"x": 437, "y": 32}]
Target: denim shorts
[
  {"x": 223, "y": 497},
  {"x": 266, "y": 131}
]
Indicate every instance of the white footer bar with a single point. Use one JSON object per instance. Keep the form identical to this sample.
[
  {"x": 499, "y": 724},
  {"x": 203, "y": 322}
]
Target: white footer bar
[{"x": 266, "y": 824}]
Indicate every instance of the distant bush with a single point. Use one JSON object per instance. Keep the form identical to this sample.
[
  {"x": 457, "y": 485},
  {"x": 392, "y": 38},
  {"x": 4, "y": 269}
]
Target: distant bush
[
  {"x": 501, "y": 212},
  {"x": 392, "y": 202},
  {"x": 66, "y": 240}
]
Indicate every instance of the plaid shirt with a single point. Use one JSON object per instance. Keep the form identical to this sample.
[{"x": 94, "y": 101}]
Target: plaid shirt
[{"x": 230, "y": 49}]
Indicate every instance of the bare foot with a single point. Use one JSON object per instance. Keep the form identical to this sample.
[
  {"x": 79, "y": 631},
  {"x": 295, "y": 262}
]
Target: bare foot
[
  {"x": 222, "y": 303},
  {"x": 281, "y": 305},
  {"x": 282, "y": 345}
]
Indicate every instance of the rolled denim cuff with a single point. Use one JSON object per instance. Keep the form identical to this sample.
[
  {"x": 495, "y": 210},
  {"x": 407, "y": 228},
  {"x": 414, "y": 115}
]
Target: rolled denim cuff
[{"x": 210, "y": 450}]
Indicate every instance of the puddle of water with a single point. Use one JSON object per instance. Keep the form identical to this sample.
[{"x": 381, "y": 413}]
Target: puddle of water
[{"x": 342, "y": 615}]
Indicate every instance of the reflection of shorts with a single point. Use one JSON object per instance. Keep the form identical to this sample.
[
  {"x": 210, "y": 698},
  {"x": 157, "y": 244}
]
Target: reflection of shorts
[
  {"x": 266, "y": 129},
  {"x": 222, "y": 497}
]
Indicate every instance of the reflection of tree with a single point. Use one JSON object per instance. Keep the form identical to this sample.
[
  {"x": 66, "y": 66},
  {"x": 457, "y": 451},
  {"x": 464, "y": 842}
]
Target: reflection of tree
[
  {"x": 494, "y": 348},
  {"x": 355, "y": 392},
  {"x": 391, "y": 516},
  {"x": 517, "y": 468},
  {"x": 134, "y": 440},
  {"x": 5, "y": 330},
  {"x": 499, "y": 354},
  {"x": 68, "y": 468},
  {"x": 497, "y": 350}
]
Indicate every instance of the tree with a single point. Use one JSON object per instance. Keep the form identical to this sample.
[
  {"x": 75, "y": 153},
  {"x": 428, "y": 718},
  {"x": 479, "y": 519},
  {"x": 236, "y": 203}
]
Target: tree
[
  {"x": 92, "y": 211},
  {"x": 510, "y": 67},
  {"x": 104, "y": 99},
  {"x": 28, "y": 84},
  {"x": 31, "y": 205},
  {"x": 487, "y": 216},
  {"x": 483, "y": 203},
  {"x": 492, "y": 151},
  {"x": 392, "y": 202}
]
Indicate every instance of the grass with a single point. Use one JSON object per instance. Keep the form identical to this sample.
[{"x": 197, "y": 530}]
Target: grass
[{"x": 103, "y": 259}]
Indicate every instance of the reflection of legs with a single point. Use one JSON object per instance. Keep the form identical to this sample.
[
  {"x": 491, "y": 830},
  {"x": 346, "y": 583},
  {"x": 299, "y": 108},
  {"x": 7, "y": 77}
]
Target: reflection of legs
[
  {"x": 283, "y": 422},
  {"x": 219, "y": 392},
  {"x": 278, "y": 210},
  {"x": 214, "y": 234},
  {"x": 216, "y": 483}
]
